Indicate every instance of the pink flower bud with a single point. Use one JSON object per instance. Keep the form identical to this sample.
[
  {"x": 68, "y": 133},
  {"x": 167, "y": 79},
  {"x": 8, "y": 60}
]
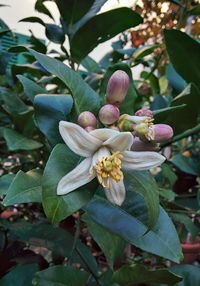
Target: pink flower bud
[
  {"x": 86, "y": 119},
  {"x": 109, "y": 114},
  {"x": 139, "y": 145},
  {"x": 144, "y": 112},
  {"x": 89, "y": 128},
  {"x": 162, "y": 132},
  {"x": 117, "y": 88}
]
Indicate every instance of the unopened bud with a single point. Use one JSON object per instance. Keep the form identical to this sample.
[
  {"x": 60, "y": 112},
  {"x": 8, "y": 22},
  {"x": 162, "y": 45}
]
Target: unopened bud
[
  {"x": 109, "y": 114},
  {"x": 86, "y": 119},
  {"x": 125, "y": 125},
  {"x": 144, "y": 112},
  {"x": 89, "y": 128},
  {"x": 162, "y": 132},
  {"x": 139, "y": 145},
  {"x": 117, "y": 88}
]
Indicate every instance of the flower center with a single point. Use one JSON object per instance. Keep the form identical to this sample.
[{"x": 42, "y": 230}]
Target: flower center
[{"x": 109, "y": 167}]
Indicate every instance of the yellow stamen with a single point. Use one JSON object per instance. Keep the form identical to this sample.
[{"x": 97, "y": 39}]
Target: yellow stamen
[{"x": 108, "y": 167}]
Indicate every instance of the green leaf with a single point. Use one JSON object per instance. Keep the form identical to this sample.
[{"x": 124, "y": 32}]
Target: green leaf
[
  {"x": 49, "y": 110},
  {"x": 59, "y": 207},
  {"x": 73, "y": 10},
  {"x": 136, "y": 273},
  {"x": 55, "y": 33},
  {"x": 5, "y": 182},
  {"x": 185, "y": 164},
  {"x": 101, "y": 28},
  {"x": 31, "y": 89},
  {"x": 25, "y": 188},
  {"x": 195, "y": 11},
  {"x": 144, "y": 51},
  {"x": 90, "y": 65},
  {"x": 178, "y": 44},
  {"x": 190, "y": 274},
  {"x": 111, "y": 245},
  {"x": 21, "y": 274},
  {"x": 16, "y": 141},
  {"x": 33, "y": 20},
  {"x": 162, "y": 240},
  {"x": 84, "y": 97},
  {"x": 144, "y": 184},
  {"x": 62, "y": 276},
  {"x": 40, "y": 7},
  {"x": 187, "y": 222}
]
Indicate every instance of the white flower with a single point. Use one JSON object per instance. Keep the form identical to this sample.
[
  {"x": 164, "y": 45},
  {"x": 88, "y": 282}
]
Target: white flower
[{"x": 106, "y": 151}]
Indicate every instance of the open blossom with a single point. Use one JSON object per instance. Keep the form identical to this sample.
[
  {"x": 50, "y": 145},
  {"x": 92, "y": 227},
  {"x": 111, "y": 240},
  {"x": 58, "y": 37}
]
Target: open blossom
[{"x": 107, "y": 153}]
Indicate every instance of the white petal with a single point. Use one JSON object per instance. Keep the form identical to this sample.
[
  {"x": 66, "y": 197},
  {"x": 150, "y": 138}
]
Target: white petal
[
  {"x": 141, "y": 160},
  {"x": 78, "y": 177},
  {"x": 137, "y": 119},
  {"x": 104, "y": 133},
  {"x": 120, "y": 142},
  {"x": 77, "y": 139},
  {"x": 116, "y": 193}
]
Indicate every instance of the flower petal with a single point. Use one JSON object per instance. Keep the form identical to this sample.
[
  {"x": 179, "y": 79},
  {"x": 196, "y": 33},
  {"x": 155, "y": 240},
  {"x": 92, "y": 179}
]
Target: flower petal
[
  {"x": 120, "y": 142},
  {"x": 78, "y": 140},
  {"x": 141, "y": 160},
  {"x": 116, "y": 193},
  {"x": 78, "y": 177},
  {"x": 104, "y": 134},
  {"x": 102, "y": 152}
]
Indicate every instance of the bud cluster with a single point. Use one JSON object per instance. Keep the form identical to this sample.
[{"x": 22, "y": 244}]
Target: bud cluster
[{"x": 147, "y": 135}]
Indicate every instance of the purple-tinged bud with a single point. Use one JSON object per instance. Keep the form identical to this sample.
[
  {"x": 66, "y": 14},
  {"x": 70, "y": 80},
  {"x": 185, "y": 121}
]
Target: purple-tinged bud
[
  {"x": 139, "y": 145},
  {"x": 117, "y": 88},
  {"x": 86, "y": 119},
  {"x": 109, "y": 114},
  {"x": 162, "y": 132},
  {"x": 144, "y": 112},
  {"x": 89, "y": 128}
]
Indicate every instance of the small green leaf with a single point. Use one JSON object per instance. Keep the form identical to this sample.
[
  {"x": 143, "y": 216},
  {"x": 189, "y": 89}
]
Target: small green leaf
[
  {"x": 84, "y": 97},
  {"x": 101, "y": 28},
  {"x": 195, "y": 11},
  {"x": 31, "y": 89},
  {"x": 187, "y": 222},
  {"x": 144, "y": 51},
  {"x": 136, "y": 273},
  {"x": 185, "y": 164},
  {"x": 61, "y": 162},
  {"x": 111, "y": 245},
  {"x": 33, "y": 20},
  {"x": 49, "y": 110},
  {"x": 62, "y": 276},
  {"x": 25, "y": 188},
  {"x": 16, "y": 141},
  {"x": 5, "y": 182}
]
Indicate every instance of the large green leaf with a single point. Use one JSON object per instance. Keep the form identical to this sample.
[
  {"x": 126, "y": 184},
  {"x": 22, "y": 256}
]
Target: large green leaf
[
  {"x": 31, "y": 89},
  {"x": 136, "y": 273},
  {"x": 5, "y": 182},
  {"x": 178, "y": 45},
  {"x": 16, "y": 141},
  {"x": 62, "y": 161},
  {"x": 111, "y": 244},
  {"x": 162, "y": 240},
  {"x": 25, "y": 188},
  {"x": 101, "y": 28},
  {"x": 21, "y": 275},
  {"x": 84, "y": 97},
  {"x": 185, "y": 164},
  {"x": 62, "y": 276},
  {"x": 49, "y": 110}
]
